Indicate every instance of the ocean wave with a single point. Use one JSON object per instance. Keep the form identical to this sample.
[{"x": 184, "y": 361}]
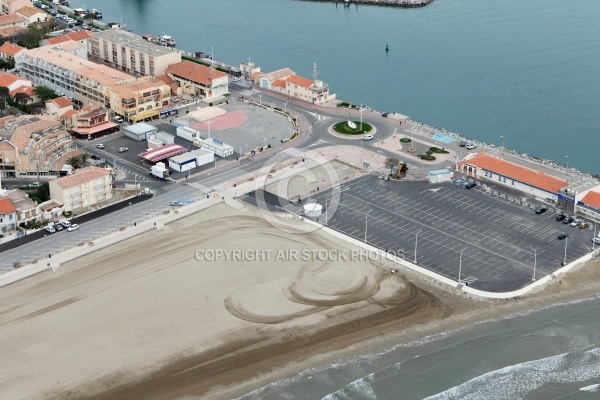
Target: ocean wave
[
  {"x": 591, "y": 388},
  {"x": 518, "y": 381}
]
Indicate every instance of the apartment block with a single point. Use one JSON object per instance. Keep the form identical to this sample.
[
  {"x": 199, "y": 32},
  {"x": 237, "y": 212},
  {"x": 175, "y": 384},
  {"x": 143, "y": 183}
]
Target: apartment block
[
  {"x": 139, "y": 100},
  {"x": 84, "y": 188},
  {"x": 130, "y": 53}
]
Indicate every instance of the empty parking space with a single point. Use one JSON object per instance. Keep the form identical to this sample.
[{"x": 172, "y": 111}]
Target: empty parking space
[{"x": 501, "y": 238}]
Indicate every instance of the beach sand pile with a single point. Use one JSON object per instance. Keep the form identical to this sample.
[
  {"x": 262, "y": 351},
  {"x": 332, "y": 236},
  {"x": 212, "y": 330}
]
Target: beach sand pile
[{"x": 216, "y": 305}]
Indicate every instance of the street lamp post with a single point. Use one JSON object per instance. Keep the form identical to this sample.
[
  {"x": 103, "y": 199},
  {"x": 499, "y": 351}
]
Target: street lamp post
[
  {"x": 416, "y": 242},
  {"x": 366, "y": 224},
  {"x": 460, "y": 264},
  {"x": 534, "y": 263},
  {"x": 212, "y": 57},
  {"x": 327, "y": 208},
  {"x": 565, "y": 258},
  {"x": 502, "y": 137},
  {"x": 260, "y": 98},
  {"x": 265, "y": 140},
  {"x": 285, "y": 106},
  {"x": 208, "y": 123},
  {"x": 361, "y": 111},
  {"x": 131, "y": 213},
  {"x": 593, "y": 241}
]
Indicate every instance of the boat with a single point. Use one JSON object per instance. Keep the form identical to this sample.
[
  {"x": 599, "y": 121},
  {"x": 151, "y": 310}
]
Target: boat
[{"x": 166, "y": 40}]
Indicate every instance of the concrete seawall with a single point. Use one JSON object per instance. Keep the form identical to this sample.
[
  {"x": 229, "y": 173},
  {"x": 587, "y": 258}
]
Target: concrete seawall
[{"x": 388, "y": 3}]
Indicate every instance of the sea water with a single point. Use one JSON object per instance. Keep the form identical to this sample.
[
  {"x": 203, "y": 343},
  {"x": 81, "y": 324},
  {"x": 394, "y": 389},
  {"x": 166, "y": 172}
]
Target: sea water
[
  {"x": 513, "y": 72},
  {"x": 548, "y": 354}
]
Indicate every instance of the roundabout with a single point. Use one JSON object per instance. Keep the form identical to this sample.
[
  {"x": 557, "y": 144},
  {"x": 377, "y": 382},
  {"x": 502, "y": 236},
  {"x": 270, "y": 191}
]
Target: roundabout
[{"x": 352, "y": 129}]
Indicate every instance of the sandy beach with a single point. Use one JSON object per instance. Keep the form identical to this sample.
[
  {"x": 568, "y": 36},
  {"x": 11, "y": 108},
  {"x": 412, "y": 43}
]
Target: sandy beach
[{"x": 219, "y": 304}]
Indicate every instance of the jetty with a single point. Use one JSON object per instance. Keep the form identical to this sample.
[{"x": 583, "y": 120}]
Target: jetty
[{"x": 388, "y": 3}]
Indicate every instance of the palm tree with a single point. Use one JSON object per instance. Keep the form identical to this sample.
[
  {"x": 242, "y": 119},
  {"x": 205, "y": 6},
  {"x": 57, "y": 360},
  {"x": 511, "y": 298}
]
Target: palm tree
[
  {"x": 74, "y": 162},
  {"x": 22, "y": 98},
  {"x": 4, "y": 94},
  {"x": 84, "y": 157}
]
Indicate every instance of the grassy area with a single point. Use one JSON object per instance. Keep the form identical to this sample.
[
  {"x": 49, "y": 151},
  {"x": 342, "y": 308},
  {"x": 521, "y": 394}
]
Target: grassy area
[
  {"x": 426, "y": 157},
  {"x": 406, "y": 140},
  {"x": 342, "y": 127},
  {"x": 438, "y": 150}
]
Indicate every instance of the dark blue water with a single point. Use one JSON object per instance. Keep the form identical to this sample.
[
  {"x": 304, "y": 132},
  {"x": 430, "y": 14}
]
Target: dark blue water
[{"x": 525, "y": 70}]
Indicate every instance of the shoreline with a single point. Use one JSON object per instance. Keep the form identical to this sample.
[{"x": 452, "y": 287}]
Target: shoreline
[{"x": 384, "y": 3}]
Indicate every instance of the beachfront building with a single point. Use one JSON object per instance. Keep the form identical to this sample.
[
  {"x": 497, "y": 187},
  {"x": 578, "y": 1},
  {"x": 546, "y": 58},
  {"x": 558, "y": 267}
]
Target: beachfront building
[
  {"x": 9, "y": 50},
  {"x": 8, "y": 217},
  {"x": 285, "y": 81},
  {"x": 84, "y": 188},
  {"x": 198, "y": 80},
  {"x": 50, "y": 210},
  {"x": 128, "y": 52},
  {"x": 581, "y": 197},
  {"x": 26, "y": 209},
  {"x": 140, "y": 100},
  {"x": 11, "y": 6},
  {"x": 34, "y": 145},
  {"x": 60, "y": 70},
  {"x": 500, "y": 172},
  {"x": 248, "y": 68},
  {"x": 91, "y": 122}
]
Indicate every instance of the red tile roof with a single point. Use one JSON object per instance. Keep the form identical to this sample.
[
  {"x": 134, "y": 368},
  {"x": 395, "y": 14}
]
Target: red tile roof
[
  {"x": 80, "y": 176},
  {"x": 11, "y": 49},
  {"x": 195, "y": 72},
  {"x": 300, "y": 81},
  {"x": 279, "y": 83},
  {"x": 592, "y": 199},
  {"x": 6, "y": 207},
  {"x": 517, "y": 172},
  {"x": 8, "y": 19},
  {"x": 7, "y": 79},
  {"x": 75, "y": 36},
  {"x": 23, "y": 89},
  {"x": 68, "y": 114},
  {"x": 61, "y": 102}
]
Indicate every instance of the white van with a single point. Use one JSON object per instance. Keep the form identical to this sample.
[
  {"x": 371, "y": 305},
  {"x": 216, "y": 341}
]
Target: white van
[{"x": 118, "y": 119}]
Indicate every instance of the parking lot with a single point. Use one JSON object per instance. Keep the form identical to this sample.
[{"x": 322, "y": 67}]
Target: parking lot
[{"x": 500, "y": 236}]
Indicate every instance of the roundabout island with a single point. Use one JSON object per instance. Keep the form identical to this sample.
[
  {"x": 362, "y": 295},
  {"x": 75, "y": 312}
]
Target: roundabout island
[{"x": 352, "y": 128}]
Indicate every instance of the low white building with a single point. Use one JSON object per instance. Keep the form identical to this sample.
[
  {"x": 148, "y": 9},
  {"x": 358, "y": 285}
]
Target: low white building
[
  {"x": 439, "y": 176},
  {"x": 203, "y": 157},
  {"x": 498, "y": 171},
  {"x": 183, "y": 162},
  {"x": 140, "y": 131},
  {"x": 218, "y": 147}
]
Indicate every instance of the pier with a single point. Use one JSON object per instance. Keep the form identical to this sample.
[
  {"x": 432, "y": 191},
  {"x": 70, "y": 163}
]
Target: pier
[{"x": 388, "y": 3}]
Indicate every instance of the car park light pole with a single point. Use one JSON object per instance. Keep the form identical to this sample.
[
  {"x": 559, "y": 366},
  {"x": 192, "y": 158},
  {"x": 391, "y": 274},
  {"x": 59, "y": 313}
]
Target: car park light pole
[
  {"x": 131, "y": 213},
  {"x": 366, "y": 224},
  {"x": 416, "y": 242},
  {"x": 534, "y": 263},
  {"x": 566, "y": 242},
  {"x": 502, "y": 137},
  {"x": 327, "y": 208},
  {"x": 593, "y": 242},
  {"x": 460, "y": 264},
  {"x": 265, "y": 139}
]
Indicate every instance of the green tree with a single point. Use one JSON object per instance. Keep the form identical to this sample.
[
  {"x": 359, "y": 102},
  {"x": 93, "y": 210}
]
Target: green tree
[
  {"x": 41, "y": 193},
  {"x": 391, "y": 163},
  {"x": 45, "y": 93},
  {"x": 85, "y": 157},
  {"x": 34, "y": 34},
  {"x": 22, "y": 98},
  {"x": 74, "y": 162},
  {"x": 89, "y": 17},
  {"x": 4, "y": 95}
]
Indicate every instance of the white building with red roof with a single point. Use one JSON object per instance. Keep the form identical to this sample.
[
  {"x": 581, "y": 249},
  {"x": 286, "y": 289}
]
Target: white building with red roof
[
  {"x": 58, "y": 106},
  {"x": 33, "y": 14},
  {"x": 12, "y": 81},
  {"x": 8, "y": 217},
  {"x": 501, "y": 172},
  {"x": 286, "y": 81},
  {"x": 9, "y": 50},
  {"x": 86, "y": 187},
  {"x": 11, "y": 6},
  {"x": 199, "y": 80}
]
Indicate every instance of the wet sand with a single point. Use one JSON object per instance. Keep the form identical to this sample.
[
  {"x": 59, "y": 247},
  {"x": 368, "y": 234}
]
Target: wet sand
[{"x": 146, "y": 319}]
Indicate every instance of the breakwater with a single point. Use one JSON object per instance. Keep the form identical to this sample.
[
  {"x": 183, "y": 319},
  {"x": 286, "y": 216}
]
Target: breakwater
[{"x": 388, "y": 3}]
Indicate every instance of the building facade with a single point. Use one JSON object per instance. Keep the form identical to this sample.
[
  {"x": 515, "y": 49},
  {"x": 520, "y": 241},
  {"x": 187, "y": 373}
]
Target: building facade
[
  {"x": 139, "y": 100},
  {"x": 130, "y": 53},
  {"x": 92, "y": 122},
  {"x": 11, "y": 6},
  {"x": 34, "y": 146},
  {"x": 84, "y": 188},
  {"x": 8, "y": 217},
  {"x": 198, "y": 80},
  {"x": 9, "y": 50},
  {"x": 65, "y": 73}
]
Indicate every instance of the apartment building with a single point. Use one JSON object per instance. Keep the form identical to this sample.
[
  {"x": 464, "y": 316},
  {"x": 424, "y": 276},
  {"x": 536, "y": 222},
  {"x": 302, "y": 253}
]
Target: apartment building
[
  {"x": 139, "y": 100},
  {"x": 84, "y": 188},
  {"x": 91, "y": 122},
  {"x": 57, "y": 68},
  {"x": 130, "y": 53},
  {"x": 34, "y": 146},
  {"x": 33, "y": 14},
  {"x": 8, "y": 217},
  {"x": 9, "y": 50}
]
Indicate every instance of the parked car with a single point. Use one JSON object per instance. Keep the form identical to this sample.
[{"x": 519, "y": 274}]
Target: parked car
[
  {"x": 562, "y": 236},
  {"x": 596, "y": 240},
  {"x": 65, "y": 223},
  {"x": 470, "y": 146},
  {"x": 50, "y": 229},
  {"x": 540, "y": 209},
  {"x": 123, "y": 149},
  {"x": 58, "y": 226},
  {"x": 73, "y": 227},
  {"x": 34, "y": 184},
  {"x": 176, "y": 203},
  {"x": 463, "y": 143},
  {"x": 100, "y": 145},
  {"x": 560, "y": 217},
  {"x": 584, "y": 225},
  {"x": 567, "y": 220},
  {"x": 458, "y": 181},
  {"x": 469, "y": 185},
  {"x": 576, "y": 222},
  {"x": 95, "y": 157},
  {"x": 368, "y": 137}
]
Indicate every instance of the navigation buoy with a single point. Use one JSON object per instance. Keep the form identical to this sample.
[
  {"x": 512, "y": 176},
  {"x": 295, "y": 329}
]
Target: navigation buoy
[{"x": 387, "y": 48}]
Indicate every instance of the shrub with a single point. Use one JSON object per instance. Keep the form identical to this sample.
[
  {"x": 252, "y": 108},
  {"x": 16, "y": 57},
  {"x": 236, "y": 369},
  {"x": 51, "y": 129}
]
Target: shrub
[
  {"x": 438, "y": 150},
  {"x": 406, "y": 140}
]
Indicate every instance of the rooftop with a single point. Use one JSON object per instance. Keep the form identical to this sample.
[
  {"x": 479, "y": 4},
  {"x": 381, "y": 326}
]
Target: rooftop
[
  {"x": 29, "y": 11},
  {"x": 74, "y": 36},
  {"x": 300, "y": 81},
  {"x": 592, "y": 198},
  {"x": 11, "y": 49},
  {"x": 163, "y": 152},
  {"x": 514, "y": 171},
  {"x": 279, "y": 74},
  {"x": 143, "y": 84},
  {"x": 8, "y": 19},
  {"x": 7, "y": 79},
  {"x": 20, "y": 200},
  {"x": 133, "y": 41},
  {"x": 140, "y": 127},
  {"x": 88, "y": 69},
  {"x": 81, "y": 176},
  {"x": 61, "y": 102},
  {"x": 6, "y": 206},
  {"x": 24, "y": 126},
  {"x": 195, "y": 72}
]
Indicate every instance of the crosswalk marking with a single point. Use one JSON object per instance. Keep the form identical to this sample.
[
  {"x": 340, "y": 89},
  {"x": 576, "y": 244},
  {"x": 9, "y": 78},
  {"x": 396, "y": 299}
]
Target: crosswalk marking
[
  {"x": 218, "y": 187},
  {"x": 202, "y": 188},
  {"x": 293, "y": 152},
  {"x": 469, "y": 279},
  {"x": 383, "y": 170}
]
